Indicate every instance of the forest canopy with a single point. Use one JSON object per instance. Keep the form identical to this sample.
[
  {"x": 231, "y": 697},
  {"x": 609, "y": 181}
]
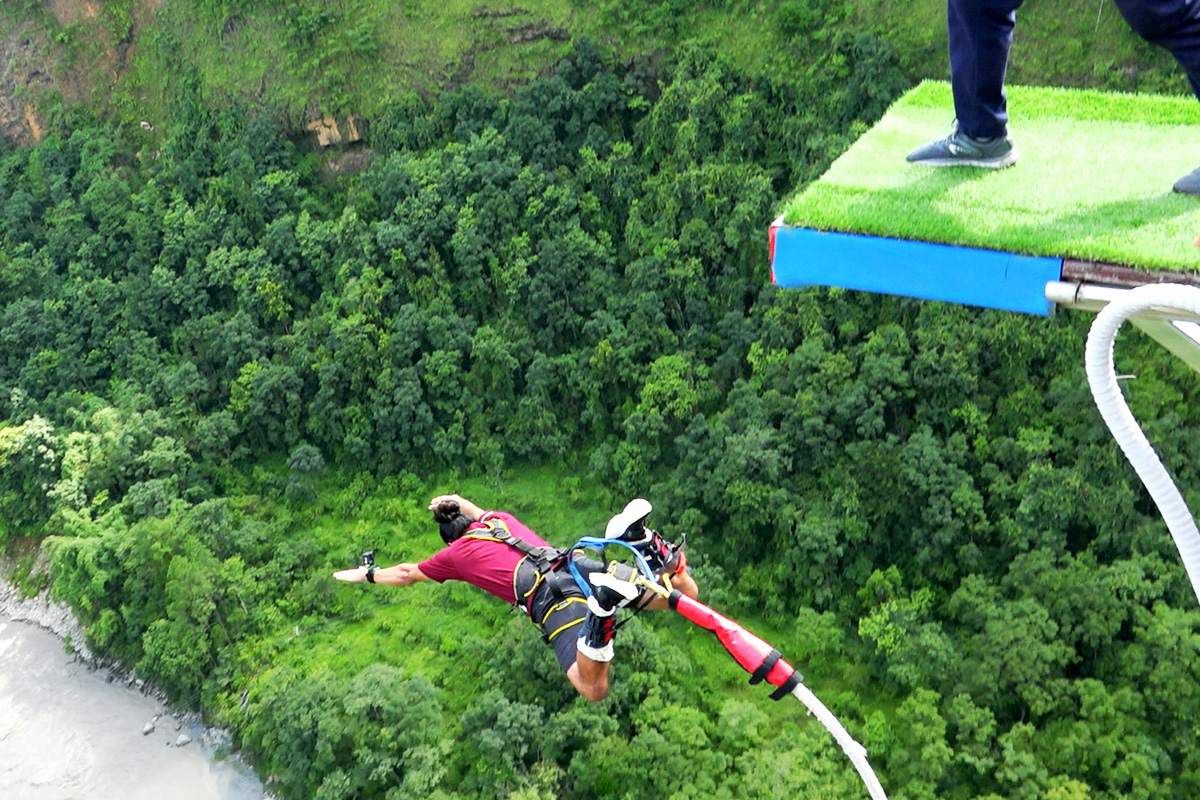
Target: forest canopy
[{"x": 227, "y": 373}]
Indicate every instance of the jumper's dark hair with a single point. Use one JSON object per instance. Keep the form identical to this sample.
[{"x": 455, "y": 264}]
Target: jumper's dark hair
[{"x": 452, "y": 522}]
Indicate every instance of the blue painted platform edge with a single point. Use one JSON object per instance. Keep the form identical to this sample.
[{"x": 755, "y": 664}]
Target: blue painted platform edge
[{"x": 965, "y": 275}]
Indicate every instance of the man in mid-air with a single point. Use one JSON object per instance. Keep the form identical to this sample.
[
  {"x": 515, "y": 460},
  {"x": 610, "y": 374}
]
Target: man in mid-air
[{"x": 496, "y": 552}]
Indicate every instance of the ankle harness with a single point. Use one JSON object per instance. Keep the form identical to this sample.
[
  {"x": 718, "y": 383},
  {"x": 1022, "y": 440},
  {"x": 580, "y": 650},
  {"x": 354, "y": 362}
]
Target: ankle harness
[{"x": 556, "y": 569}]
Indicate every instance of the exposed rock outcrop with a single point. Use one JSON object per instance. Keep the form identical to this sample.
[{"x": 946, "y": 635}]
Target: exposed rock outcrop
[
  {"x": 43, "y": 612},
  {"x": 25, "y": 70}
]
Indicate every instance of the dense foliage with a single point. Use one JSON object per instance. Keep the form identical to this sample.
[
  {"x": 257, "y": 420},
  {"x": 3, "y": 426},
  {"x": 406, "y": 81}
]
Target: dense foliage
[{"x": 918, "y": 501}]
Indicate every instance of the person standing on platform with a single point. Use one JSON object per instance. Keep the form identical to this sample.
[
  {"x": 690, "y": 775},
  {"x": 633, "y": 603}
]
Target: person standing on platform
[{"x": 980, "y": 39}]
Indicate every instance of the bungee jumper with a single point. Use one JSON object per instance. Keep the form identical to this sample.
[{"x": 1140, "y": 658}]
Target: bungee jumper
[
  {"x": 574, "y": 598},
  {"x": 571, "y": 596}
]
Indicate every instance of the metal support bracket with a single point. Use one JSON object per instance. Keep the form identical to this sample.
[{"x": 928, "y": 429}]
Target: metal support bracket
[{"x": 1175, "y": 330}]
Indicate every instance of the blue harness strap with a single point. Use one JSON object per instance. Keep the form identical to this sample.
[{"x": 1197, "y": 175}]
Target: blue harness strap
[{"x": 600, "y": 544}]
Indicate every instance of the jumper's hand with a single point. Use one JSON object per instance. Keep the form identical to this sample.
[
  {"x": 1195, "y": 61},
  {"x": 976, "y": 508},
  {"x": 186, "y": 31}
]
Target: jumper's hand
[
  {"x": 464, "y": 505},
  {"x": 356, "y": 575},
  {"x": 443, "y": 498}
]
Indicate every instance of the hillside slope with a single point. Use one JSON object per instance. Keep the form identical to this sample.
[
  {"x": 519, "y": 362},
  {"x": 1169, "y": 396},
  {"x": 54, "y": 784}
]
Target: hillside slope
[{"x": 311, "y": 58}]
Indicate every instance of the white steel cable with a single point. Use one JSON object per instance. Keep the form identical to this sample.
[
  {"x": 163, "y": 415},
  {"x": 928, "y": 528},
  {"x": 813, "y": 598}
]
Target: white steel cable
[
  {"x": 1102, "y": 378},
  {"x": 857, "y": 753}
]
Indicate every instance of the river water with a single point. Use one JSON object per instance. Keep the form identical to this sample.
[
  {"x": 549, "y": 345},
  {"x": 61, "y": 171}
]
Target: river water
[{"x": 68, "y": 733}]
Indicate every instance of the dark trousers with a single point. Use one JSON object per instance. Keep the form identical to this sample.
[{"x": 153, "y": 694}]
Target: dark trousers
[
  {"x": 981, "y": 37},
  {"x": 1173, "y": 24}
]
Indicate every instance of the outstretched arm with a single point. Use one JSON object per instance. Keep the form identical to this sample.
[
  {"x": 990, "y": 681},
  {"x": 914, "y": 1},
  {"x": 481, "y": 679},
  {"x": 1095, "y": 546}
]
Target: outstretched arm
[
  {"x": 399, "y": 575},
  {"x": 464, "y": 505}
]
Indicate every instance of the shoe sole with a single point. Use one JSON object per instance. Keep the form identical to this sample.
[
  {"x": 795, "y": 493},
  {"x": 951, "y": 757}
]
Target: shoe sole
[
  {"x": 623, "y": 588},
  {"x": 987, "y": 163}
]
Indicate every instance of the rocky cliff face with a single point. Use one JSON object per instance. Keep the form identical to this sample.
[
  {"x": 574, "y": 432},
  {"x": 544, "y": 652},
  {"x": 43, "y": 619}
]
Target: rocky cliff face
[
  {"x": 63, "y": 48},
  {"x": 26, "y": 67}
]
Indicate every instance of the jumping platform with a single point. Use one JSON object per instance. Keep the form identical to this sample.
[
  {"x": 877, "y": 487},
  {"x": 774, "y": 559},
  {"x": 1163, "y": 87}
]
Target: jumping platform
[
  {"x": 1091, "y": 191},
  {"x": 1085, "y": 214}
]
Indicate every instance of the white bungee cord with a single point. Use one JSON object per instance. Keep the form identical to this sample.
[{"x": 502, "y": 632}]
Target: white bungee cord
[
  {"x": 1102, "y": 378},
  {"x": 856, "y": 752}
]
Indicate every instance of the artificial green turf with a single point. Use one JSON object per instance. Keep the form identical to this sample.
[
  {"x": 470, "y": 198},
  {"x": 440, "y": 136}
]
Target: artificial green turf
[{"x": 1093, "y": 181}]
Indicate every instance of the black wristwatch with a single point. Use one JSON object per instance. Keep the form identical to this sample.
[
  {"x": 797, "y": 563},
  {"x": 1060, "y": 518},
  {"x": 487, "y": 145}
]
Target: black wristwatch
[{"x": 371, "y": 574}]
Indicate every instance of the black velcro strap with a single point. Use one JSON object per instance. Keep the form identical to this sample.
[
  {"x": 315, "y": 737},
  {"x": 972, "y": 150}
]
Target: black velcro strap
[
  {"x": 548, "y": 558},
  {"x": 786, "y": 687},
  {"x": 555, "y": 580},
  {"x": 545, "y": 558},
  {"x": 764, "y": 668},
  {"x": 673, "y": 599}
]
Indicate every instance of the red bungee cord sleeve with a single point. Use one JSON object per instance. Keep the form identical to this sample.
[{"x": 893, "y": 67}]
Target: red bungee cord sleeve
[{"x": 760, "y": 659}]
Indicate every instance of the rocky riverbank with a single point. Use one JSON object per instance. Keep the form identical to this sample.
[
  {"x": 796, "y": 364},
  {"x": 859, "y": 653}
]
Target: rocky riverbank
[
  {"x": 73, "y": 727},
  {"x": 44, "y": 613}
]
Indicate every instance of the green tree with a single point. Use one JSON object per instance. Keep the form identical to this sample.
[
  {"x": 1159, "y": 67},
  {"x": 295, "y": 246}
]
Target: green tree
[{"x": 29, "y": 463}]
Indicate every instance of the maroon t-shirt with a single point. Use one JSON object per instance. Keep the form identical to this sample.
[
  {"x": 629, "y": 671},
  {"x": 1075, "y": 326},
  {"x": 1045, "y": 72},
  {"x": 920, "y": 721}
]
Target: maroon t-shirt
[{"x": 485, "y": 563}]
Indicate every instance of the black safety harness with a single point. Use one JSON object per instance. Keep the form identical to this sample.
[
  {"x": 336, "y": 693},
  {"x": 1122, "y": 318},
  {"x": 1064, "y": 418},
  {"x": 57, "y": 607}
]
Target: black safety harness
[
  {"x": 543, "y": 561},
  {"x": 548, "y": 565}
]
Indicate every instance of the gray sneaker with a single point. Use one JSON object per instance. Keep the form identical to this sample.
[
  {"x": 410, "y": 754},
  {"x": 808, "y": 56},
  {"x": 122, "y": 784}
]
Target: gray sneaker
[
  {"x": 1189, "y": 184},
  {"x": 958, "y": 149}
]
